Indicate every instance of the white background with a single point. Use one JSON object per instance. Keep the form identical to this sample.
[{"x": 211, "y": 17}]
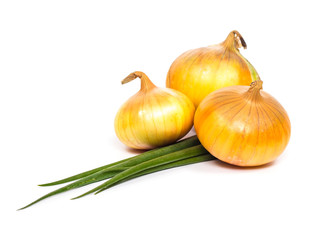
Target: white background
[{"x": 61, "y": 63}]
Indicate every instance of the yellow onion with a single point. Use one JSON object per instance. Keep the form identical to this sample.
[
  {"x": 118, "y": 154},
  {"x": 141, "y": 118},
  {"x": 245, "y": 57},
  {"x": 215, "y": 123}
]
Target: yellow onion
[
  {"x": 243, "y": 125},
  {"x": 154, "y": 116},
  {"x": 201, "y": 71}
]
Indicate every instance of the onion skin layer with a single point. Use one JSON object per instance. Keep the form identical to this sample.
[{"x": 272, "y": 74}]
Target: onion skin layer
[
  {"x": 154, "y": 117},
  {"x": 201, "y": 71},
  {"x": 242, "y": 125}
]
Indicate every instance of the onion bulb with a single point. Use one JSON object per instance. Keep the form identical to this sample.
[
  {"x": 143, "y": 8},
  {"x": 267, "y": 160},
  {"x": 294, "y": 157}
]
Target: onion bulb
[
  {"x": 201, "y": 71},
  {"x": 243, "y": 125},
  {"x": 154, "y": 116}
]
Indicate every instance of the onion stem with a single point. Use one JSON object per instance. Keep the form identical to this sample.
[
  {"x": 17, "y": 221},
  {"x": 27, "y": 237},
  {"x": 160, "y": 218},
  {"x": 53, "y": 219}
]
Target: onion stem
[
  {"x": 185, "y": 152},
  {"x": 105, "y": 175}
]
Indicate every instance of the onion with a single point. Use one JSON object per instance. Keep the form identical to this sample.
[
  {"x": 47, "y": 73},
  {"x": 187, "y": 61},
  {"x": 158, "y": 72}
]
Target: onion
[
  {"x": 243, "y": 125},
  {"x": 153, "y": 117},
  {"x": 201, "y": 71}
]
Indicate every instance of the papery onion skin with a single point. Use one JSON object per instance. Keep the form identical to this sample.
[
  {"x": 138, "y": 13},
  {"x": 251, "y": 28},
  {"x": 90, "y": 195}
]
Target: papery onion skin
[
  {"x": 242, "y": 125},
  {"x": 154, "y": 116},
  {"x": 201, "y": 71}
]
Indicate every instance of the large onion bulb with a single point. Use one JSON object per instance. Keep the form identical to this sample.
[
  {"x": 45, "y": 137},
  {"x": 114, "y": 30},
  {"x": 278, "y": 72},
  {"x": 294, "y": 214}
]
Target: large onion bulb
[
  {"x": 153, "y": 117},
  {"x": 243, "y": 125},
  {"x": 201, "y": 71}
]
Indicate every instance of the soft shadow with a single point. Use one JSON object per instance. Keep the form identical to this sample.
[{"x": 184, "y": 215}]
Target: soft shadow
[
  {"x": 225, "y": 165},
  {"x": 134, "y": 151},
  {"x": 114, "y": 142},
  {"x": 191, "y": 133}
]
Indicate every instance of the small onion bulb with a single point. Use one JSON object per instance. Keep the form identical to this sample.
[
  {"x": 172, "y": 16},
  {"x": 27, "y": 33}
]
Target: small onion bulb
[
  {"x": 154, "y": 116},
  {"x": 201, "y": 71},
  {"x": 243, "y": 125}
]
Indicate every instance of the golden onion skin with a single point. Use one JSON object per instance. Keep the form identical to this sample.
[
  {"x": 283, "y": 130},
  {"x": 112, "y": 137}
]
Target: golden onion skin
[
  {"x": 243, "y": 125},
  {"x": 153, "y": 117},
  {"x": 201, "y": 71}
]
